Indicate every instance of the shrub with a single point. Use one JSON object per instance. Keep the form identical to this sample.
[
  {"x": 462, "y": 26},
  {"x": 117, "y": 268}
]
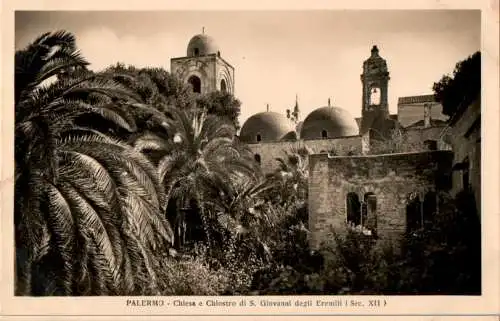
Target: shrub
[
  {"x": 441, "y": 259},
  {"x": 190, "y": 275}
]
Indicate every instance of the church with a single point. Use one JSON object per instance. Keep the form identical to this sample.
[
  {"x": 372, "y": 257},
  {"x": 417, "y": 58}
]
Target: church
[
  {"x": 349, "y": 181},
  {"x": 327, "y": 129}
]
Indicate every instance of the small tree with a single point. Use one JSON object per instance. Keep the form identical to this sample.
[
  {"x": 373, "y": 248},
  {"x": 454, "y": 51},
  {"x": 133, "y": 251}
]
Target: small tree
[
  {"x": 221, "y": 104},
  {"x": 399, "y": 142}
]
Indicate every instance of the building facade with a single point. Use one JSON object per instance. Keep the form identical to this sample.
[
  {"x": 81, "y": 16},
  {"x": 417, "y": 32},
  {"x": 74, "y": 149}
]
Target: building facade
[
  {"x": 464, "y": 135},
  {"x": 383, "y": 194}
]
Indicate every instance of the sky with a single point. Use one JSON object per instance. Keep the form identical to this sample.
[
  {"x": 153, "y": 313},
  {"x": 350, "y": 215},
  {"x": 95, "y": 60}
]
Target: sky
[{"x": 277, "y": 55}]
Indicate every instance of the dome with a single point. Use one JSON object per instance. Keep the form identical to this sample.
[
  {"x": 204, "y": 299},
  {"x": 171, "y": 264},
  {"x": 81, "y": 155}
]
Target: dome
[
  {"x": 329, "y": 122},
  {"x": 201, "y": 45},
  {"x": 267, "y": 127}
]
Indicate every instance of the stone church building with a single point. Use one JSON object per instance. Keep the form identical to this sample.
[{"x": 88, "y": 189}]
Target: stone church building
[{"x": 350, "y": 184}]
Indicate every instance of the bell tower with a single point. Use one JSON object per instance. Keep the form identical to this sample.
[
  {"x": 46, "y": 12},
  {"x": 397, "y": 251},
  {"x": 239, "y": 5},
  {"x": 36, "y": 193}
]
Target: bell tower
[
  {"x": 375, "y": 80},
  {"x": 203, "y": 67}
]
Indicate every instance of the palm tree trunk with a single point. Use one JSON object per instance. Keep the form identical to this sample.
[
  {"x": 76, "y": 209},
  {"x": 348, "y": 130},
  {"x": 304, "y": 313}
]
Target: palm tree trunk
[{"x": 204, "y": 221}]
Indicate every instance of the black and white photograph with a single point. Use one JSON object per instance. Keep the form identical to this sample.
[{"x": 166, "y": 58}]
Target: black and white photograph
[{"x": 248, "y": 153}]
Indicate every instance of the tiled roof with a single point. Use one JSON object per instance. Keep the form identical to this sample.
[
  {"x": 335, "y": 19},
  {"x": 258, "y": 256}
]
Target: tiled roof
[{"x": 416, "y": 99}]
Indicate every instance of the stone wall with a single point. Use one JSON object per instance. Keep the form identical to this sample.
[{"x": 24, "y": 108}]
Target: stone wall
[
  {"x": 211, "y": 69},
  {"x": 389, "y": 177},
  {"x": 410, "y": 113},
  {"x": 268, "y": 152},
  {"x": 224, "y": 71},
  {"x": 465, "y": 136},
  {"x": 417, "y": 136}
]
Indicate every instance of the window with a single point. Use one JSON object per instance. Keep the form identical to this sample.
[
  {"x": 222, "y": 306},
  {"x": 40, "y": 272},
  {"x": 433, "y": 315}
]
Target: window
[
  {"x": 369, "y": 205},
  {"x": 259, "y": 138},
  {"x": 196, "y": 51},
  {"x": 223, "y": 86},
  {"x": 375, "y": 96},
  {"x": 257, "y": 158},
  {"x": 195, "y": 83},
  {"x": 324, "y": 134},
  {"x": 353, "y": 209},
  {"x": 218, "y": 53}
]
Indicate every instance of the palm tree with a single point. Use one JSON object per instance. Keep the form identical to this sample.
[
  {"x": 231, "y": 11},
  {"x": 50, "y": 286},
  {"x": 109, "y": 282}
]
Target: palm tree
[
  {"x": 291, "y": 176},
  {"x": 244, "y": 213},
  {"x": 154, "y": 86},
  {"x": 88, "y": 207},
  {"x": 47, "y": 57},
  {"x": 196, "y": 164}
]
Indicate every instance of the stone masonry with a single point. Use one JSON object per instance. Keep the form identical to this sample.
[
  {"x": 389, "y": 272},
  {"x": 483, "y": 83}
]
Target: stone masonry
[
  {"x": 268, "y": 152},
  {"x": 391, "y": 178}
]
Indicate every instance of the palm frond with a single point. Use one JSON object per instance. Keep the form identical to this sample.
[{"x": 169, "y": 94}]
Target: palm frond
[
  {"x": 91, "y": 225},
  {"x": 62, "y": 224}
]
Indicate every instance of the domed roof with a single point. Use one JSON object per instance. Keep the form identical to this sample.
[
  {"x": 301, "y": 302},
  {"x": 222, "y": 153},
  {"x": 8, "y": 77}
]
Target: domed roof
[
  {"x": 266, "y": 127},
  {"x": 332, "y": 121},
  {"x": 201, "y": 45}
]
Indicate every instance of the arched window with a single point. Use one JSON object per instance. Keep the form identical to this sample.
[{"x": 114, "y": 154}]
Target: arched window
[
  {"x": 195, "y": 83},
  {"x": 223, "y": 86},
  {"x": 375, "y": 96},
  {"x": 353, "y": 209},
  {"x": 257, "y": 158},
  {"x": 324, "y": 134},
  {"x": 259, "y": 138},
  {"x": 218, "y": 53},
  {"x": 196, "y": 51},
  {"x": 368, "y": 208},
  {"x": 414, "y": 215}
]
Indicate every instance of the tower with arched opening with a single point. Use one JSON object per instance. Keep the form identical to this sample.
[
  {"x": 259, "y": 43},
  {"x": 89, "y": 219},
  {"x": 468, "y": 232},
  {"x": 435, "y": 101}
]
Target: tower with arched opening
[{"x": 203, "y": 67}]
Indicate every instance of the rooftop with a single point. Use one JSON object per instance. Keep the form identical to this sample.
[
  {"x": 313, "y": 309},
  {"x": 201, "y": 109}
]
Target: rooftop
[{"x": 417, "y": 99}]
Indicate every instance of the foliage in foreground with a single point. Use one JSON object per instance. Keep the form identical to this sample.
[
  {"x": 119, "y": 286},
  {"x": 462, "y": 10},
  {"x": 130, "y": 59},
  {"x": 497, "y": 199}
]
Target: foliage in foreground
[
  {"x": 92, "y": 201},
  {"x": 444, "y": 259},
  {"x": 87, "y": 206}
]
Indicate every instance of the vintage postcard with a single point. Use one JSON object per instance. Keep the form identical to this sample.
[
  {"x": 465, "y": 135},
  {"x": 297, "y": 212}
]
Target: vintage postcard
[{"x": 224, "y": 160}]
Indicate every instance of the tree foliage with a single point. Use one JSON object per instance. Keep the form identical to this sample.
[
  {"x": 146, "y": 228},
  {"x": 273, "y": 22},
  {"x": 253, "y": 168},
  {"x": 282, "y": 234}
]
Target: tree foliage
[
  {"x": 87, "y": 206},
  {"x": 221, "y": 104},
  {"x": 399, "y": 142},
  {"x": 463, "y": 87},
  {"x": 161, "y": 89}
]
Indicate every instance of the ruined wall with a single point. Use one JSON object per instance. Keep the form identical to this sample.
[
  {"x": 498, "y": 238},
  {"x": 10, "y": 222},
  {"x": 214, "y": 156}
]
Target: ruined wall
[
  {"x": 268, "y": 152},
  {"x": 390, "y": 177}
]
